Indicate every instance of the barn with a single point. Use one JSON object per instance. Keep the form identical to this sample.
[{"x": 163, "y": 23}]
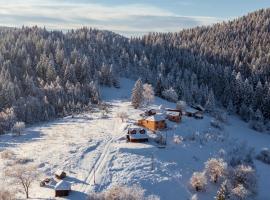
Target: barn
[
  {"x": 137, "y": 134},
  {"x": 62, "y": 189},
  {"x": 154, "y": 122}
]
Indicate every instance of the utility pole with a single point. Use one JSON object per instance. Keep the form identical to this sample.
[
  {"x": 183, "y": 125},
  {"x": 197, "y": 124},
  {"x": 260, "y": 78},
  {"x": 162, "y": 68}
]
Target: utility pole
[
  {"x": 152, "y": 160},
  {"x": 94, "y": 175}
]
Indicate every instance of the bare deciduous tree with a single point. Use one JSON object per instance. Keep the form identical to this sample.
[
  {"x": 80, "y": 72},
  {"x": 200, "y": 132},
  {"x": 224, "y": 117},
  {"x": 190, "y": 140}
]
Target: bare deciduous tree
[
  {"x": 23, "y": 176},
  {"x": 122, "y": 116}
]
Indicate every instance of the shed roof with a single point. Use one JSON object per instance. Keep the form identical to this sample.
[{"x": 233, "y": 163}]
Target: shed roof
[
  {"x": 191, "y": 110},
  {"x": 156, "y": 117},
  {"x": 62, "y": 185},
  {"x": 59, "y": 172}
]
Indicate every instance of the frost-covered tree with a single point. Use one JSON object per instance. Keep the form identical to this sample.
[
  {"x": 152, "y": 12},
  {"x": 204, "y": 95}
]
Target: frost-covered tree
[
  {"x": 122, "y": 116},
  {"x": 215, "y": 169},
  {"x": 198, "y": 181},
  {"x": 170, "y": 95},
  {"x": 230, "y": 108},
  {"x": 257, "y": 121},
  {"x": 223, "y": 192},
  {"x": 239, "y": 193},
  {"x": 18, "y": 128},
  {"x": 211, "y": 102},
  {"x": 148, "y": 93},
  {"x": 137, "y": 94},
  {"x": 246, "y": 176},
  {"x": 181, "y": 105}
]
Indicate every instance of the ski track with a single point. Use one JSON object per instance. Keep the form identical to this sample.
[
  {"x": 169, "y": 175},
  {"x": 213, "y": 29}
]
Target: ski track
[{"x": 99, "y": 164}]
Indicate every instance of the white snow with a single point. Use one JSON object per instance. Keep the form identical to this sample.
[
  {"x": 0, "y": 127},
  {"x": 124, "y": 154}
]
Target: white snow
[
  {"x": 157, "y": 117},
  {"x": 63, "y": 185},
  {"x": 92, "y": 150}
]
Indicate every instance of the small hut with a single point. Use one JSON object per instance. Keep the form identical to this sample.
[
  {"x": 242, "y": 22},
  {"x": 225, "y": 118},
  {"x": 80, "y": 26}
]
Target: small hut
[
  {"x": 62, "y": 189},
  {"x": 198, "y": 107},
  {"x": 137, "y": 134},
  {"x": 60, "y": 174},
  {"x": 190, "y": 112},
  {"x": 174, "y": 115},
  {"x": 154, "y": 122}
]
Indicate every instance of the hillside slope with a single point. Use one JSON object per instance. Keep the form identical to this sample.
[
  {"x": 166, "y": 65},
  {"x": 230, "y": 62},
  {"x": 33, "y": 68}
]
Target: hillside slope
[{"x": 45, "y": 74}]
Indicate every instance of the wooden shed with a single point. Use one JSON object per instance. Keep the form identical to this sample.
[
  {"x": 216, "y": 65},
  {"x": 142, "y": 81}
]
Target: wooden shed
[
  {"x": 62, "y": 188},
  {"x": 174, "y": 116},
  {"x": 60, "y": 174},
  {"x": 154, "y": 122},
  {"x": 137, "y": 134}
]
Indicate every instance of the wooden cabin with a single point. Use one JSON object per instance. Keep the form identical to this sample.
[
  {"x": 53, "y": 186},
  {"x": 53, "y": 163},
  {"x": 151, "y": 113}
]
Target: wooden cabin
[
  {"x": 154, "y": 122},
  {"x": 137, "y": 134},
  {"x": 174, "y": 115},
  {"x": 60, "y": 174},
  {"x": 62, "y": 189},
  {"x": 191, "y": 112}
]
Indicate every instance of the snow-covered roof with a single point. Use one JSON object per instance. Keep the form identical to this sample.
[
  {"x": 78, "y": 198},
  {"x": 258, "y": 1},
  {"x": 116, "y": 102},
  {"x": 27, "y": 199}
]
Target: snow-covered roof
[
  {"x": 63, "y": 185},
  {"x": 172, "y": 113},
  {"x": 156, "y": 117},
  {"x": 191, "y": 110},
  {"x": 138, "y": 136},
  {"x": 58, "y": 172}
]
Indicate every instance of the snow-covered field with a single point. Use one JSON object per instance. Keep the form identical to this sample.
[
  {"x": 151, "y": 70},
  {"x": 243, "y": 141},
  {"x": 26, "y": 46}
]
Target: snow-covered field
[{"x": 87, "y": 141}]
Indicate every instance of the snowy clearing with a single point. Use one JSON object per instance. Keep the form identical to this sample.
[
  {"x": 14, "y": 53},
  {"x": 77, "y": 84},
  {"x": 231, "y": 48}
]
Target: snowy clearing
[{"x": 92, "y": 147}]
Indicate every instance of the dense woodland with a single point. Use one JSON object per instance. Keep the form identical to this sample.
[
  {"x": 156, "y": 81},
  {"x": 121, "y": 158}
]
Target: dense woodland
[{"x": 46, "y": 74}]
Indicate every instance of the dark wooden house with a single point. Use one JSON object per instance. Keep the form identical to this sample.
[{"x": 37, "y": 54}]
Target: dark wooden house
[
  {"x": 62, "y": 189},
  {"x": 137, "y": 134}
]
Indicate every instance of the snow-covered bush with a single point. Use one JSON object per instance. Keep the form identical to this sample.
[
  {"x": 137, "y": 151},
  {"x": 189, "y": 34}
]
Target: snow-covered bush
[
  {"x": 264, "y": 156},
  {"x": 215, "y": 169},
  {"x": 198, "y": 181},
  {"x": 170, "y": 95},
  {"x": 177, "y": 139},
  {"x": 239, "y": 193},
  {"x": 6, "y": 194},
  {"x": 245, "y": 175},
  {"x": 240, "y": 154},
  {"x": 7, "y": 154},
  {"x": 134, "y": 192},
  {"x": 18, "y": 128},
  {"x": 216, "y": 124}
]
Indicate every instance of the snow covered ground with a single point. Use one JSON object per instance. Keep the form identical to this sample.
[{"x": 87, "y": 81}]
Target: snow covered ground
[{"x": 91, "y": 143}]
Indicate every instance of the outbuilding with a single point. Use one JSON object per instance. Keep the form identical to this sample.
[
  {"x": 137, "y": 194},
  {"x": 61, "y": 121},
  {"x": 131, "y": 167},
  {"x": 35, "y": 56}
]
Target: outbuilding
[
  {"x": 62, "y": 188},
  {"x": 174, "y": 116},
  {"x": 60, "y": 174},
  {"x": 154, "y": 122},
  {"x": 137, "y": 134}
]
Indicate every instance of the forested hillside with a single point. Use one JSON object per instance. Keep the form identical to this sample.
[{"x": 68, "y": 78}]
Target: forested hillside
[{"x": 45, "y": 74}]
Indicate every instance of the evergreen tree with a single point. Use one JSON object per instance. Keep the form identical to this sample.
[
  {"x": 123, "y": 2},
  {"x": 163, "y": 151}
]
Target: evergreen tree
[
  {"x": 137, "y": 94},
  {"x": 223, "y": 193}
]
